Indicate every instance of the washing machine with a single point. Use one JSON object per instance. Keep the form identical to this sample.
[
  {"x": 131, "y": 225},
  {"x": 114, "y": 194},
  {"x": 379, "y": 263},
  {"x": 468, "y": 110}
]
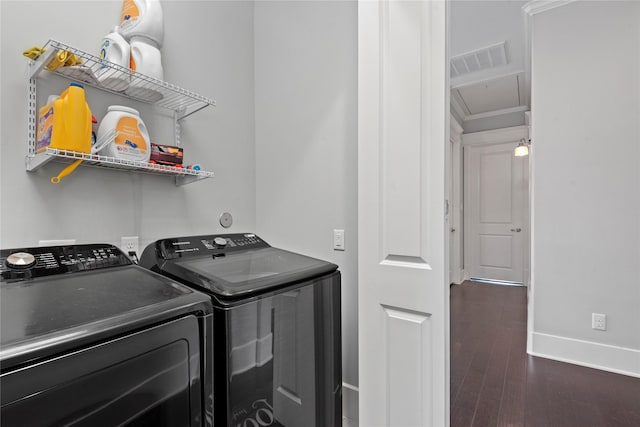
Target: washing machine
[
  {"x": 277, "y": 339},
  {"x": 90, "y": 339}
]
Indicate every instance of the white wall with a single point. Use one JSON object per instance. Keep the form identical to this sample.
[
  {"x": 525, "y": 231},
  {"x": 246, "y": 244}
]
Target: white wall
[
  {"x": 208, "y": 49},
  {"x": 586, "y": 183},
  {"x": 477, "y": 24},
  {"x": 306, "y": 140}
]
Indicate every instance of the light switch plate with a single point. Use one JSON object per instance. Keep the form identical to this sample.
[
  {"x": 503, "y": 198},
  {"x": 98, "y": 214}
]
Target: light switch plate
[{"x": 338, "y": 240}]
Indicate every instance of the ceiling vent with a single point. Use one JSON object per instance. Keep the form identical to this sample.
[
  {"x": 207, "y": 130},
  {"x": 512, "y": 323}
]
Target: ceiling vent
[{"x": 482, "y": 59}]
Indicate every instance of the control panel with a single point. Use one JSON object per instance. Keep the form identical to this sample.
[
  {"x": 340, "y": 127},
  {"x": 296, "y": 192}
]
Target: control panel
[
  {"x": 28, "y": 263},
  {"x": 211, "y": 245}
]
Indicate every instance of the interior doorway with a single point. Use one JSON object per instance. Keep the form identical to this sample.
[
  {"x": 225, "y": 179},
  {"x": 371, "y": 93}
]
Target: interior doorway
[
  {"x": 490, "y": 98},
  {"x": 496, "y": 194}
]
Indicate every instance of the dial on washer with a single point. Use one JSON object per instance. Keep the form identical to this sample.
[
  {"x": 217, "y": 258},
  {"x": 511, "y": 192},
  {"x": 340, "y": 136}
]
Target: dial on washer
[
  {"x": 20, "y": 260},
  {"x": 220, "y": 242}
]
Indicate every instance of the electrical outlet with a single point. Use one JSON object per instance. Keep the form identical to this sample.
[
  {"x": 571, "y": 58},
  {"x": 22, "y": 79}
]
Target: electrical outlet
[
  {"x": 338, "y": 240},
  {"x": 599, "y": 321},
  {"x": 130, "y": 245}
]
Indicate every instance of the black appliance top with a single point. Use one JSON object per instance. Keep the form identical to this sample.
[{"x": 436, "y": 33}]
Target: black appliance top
[
  {"x": 231, "y": 266},
  {"x": 57, "y": 298}
]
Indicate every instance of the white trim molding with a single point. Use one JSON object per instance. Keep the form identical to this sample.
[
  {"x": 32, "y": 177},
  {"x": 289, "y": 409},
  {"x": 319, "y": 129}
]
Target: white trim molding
[
  {"x": 496, "y": 136},
  {"x": 538, "y": 6},
  {"x": 496, "y": 113},
  {"x": 456, "y": 130},
  {"x": 455, "y": 202},
  {"x": 611, "y": 358}
]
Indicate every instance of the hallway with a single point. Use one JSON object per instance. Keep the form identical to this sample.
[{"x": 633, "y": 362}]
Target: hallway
[{"x": 495, "y": 383}]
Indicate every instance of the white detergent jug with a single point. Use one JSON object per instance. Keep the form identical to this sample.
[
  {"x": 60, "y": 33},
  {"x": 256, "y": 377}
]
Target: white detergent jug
[
  {"x": 147, "y": 60},
  {"x": 142, "y": 18},
  {"x": 131, "y": 136},
  {"x": 116, "y": 50}
]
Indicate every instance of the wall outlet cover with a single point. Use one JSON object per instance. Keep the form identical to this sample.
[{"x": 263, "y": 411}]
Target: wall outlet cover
[
  {"x": 338, "y": 240},
  {"x": 130, "y": 245},
  {"x": 599, "y": 321}
]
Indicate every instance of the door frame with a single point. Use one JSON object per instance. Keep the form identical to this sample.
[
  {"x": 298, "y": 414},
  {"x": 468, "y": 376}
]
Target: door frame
[
  {"x": 454, "y": 173},
  {"x": 493, "y": 137}
]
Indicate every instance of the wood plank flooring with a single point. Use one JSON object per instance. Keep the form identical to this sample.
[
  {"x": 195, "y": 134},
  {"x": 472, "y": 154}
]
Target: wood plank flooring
[{"x": 495, "y": 383}]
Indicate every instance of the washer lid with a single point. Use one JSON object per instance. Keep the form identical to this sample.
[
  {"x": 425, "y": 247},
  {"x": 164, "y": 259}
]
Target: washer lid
[
  {"x": 245, "y": 273},
  {"x": 47, "y": 315}
]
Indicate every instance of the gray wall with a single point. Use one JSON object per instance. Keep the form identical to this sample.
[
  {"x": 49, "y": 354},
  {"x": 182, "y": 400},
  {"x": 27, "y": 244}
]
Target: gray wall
[
  {"x": 586, "y": 182},
  {"x": 208, "y": 49},
  {"x": 306, "y": 138}
]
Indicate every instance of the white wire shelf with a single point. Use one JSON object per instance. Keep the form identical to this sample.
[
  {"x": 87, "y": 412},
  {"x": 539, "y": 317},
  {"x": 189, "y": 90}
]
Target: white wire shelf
[
  {"x": 182, "y": 175},
  {"x": 137, "y": 86},
  {"x": 97, "y": 72}
]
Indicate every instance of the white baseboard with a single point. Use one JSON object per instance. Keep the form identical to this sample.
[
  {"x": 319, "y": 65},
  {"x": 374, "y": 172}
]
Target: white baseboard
[
  {"x": 619, "y": 360},
  {"x": 350, "y": 403}
]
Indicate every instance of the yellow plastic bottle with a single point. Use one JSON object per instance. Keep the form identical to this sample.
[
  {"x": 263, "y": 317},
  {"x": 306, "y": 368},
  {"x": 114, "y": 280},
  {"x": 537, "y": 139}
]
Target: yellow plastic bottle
[{"x": 71, "y": 121}]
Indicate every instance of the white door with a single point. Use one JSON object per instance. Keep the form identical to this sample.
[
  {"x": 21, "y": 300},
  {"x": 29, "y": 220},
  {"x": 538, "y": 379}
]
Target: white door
[
  {"x": 495, "y": 189},
  {"x": 403, "y": 292}
]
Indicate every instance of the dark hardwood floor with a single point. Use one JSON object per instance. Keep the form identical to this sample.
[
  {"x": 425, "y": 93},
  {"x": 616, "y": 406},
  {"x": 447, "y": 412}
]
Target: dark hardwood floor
[{"x": 495, "y": 383}]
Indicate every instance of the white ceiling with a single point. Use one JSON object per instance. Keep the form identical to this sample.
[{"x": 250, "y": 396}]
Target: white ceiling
[{"x": 487, "y": 49}]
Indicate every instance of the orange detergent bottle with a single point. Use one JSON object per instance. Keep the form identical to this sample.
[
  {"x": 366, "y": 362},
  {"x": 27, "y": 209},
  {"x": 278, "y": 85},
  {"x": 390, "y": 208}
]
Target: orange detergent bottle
[{"x": 71, "y": 127}]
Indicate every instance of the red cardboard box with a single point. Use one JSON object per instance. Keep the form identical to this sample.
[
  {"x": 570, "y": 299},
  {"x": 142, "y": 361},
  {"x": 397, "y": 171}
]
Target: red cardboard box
[{"x": 166, "y": 155}]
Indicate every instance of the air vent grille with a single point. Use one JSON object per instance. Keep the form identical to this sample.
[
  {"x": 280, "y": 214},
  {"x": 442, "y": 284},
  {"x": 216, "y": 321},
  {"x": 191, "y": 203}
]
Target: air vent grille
[{"x": 482, "y": 59}]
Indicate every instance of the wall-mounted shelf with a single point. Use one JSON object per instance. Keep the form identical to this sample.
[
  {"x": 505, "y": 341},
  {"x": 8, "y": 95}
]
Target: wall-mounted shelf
[
  {"x": 141, "y": 88},
  {"x": 158, "y": 92},
  {"x": 182, "y": 175}
]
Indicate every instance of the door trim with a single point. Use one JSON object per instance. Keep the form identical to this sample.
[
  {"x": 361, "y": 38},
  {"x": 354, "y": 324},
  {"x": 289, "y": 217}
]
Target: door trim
[
  {"x": 455, "y": 203},
  {"x": 496, "y": 137}
]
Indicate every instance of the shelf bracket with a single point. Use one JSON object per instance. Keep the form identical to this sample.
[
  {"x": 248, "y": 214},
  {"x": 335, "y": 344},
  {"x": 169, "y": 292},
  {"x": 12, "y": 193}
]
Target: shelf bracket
[
  {"x": 177, "y": 131},
  {"x": 36, "y": 67},
  {"x": 187, "y": 179},
  {"x": 35, "y": 162}
]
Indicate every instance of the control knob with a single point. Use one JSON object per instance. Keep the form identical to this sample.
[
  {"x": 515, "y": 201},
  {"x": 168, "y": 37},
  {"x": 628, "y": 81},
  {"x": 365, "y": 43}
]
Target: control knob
[
  {"x": 220, "y": 242},
  {"x": 20, "y": 260}
]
